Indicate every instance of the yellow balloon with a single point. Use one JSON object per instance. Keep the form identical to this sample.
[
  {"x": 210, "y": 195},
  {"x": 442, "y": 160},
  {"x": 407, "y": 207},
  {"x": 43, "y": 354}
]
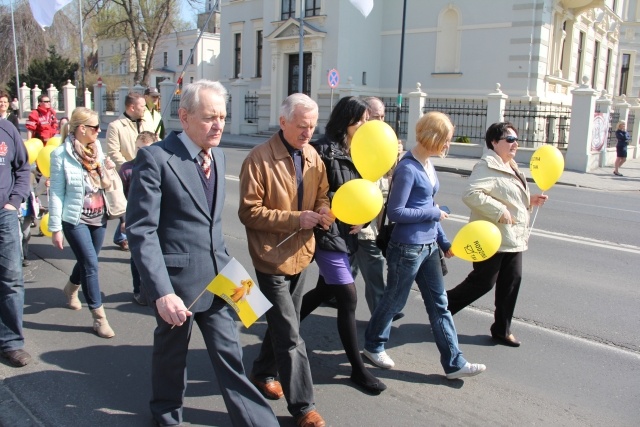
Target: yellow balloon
[
  {"x": 374, "y": 149},
  {"x": 477, "y": 241},
  {"x": 357, "y": 202},
  {"x": 44, "y": 160},
  {"x": 33, "y": 145},
  {"x": 44, "y": 225},
  {"x": 55, "y": 141},
  {"x": 546, "y": 166}
]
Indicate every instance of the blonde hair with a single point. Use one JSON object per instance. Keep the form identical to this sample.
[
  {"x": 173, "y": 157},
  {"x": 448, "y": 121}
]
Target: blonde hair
[
  {"x": 620, "y": 123},
  {"x": 80, "y": 116},
  {"x": 432, "y": 131}
]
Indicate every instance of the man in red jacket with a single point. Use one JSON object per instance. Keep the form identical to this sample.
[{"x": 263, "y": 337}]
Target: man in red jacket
[{"x": 42, "y": 122}]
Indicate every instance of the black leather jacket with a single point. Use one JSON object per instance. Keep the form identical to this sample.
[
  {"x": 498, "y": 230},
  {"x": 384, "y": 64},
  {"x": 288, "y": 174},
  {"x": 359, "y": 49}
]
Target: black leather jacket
[{"x": 340, "y": 169}]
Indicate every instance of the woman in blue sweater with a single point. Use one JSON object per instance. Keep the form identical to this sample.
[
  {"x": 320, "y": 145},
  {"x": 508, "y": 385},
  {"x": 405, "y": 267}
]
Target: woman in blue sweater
[{"x": 413, "y": 251}]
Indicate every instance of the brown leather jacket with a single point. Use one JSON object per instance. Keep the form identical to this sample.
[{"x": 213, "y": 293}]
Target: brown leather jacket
[{"x": 269, "y": 206}]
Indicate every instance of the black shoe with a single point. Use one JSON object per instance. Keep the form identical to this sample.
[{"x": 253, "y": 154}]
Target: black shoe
[
  {"x": 398, "y": 316},
  {"x": 26, "y": 263},
  {"x": 17, "y": 358},
  {"x": 375, "y": 387}
]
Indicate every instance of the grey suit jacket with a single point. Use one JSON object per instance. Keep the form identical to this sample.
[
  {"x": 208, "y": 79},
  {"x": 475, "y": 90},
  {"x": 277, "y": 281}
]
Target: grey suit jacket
[{"x": 175, "y": 241}]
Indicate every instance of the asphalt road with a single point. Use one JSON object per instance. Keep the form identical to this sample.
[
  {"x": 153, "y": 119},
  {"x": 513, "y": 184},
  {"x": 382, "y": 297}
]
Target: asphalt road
[{"x": 577, "y": 316}]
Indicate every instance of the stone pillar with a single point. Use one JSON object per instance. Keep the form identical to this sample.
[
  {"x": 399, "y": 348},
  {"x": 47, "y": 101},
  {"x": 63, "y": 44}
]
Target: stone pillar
[
  {"x": 25, "y": 100},
  {"x": 635, "y": 132},
  {"x": 496, "y": 102},
  {"x": 53, "y": 96},
  {"x": 123, "y": 91},
  {"x": 578, "y": 156},
  {"x": 238, "y": 92},
  {"x": 623, "y": 110},
  {"x": 35, "y": 93},
  {"x": 167, "y": 89},
  {"x": 98, "y": 92},
  {"x": 416, "y": 103},
  {"x": 87, "y": 98},
  {"x": 138, "y": 88},
  {"x": 603, "y": 105},
  {"x": 69, "y": 98}
]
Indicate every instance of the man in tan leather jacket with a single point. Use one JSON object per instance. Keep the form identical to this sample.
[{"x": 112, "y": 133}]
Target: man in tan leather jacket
[{"x": 283, "y": 196}]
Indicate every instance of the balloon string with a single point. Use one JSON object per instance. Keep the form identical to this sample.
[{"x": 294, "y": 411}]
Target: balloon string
[{"x": 535, "y": 215}]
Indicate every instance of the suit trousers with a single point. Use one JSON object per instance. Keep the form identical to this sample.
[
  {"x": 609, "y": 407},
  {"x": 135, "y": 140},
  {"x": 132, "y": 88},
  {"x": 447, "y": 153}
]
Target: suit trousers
[
  {"x": 504, "y": 269},
  {"x": 11, "y": 282},
  {"x": 283, "y": 350},
  {"x": 245, "y": 405}
]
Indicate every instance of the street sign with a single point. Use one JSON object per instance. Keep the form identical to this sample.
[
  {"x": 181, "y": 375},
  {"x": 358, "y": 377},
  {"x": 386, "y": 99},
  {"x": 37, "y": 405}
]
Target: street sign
[{"x": 333, "y": 78}]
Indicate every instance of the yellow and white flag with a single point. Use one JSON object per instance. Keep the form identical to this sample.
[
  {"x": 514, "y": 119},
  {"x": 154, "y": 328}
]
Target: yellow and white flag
[{"x": 234, "y": 285}]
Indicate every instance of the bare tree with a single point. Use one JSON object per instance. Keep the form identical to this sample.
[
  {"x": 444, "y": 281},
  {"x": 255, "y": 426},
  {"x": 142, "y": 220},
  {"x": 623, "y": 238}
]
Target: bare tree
[{"x": 141, "y": 23}]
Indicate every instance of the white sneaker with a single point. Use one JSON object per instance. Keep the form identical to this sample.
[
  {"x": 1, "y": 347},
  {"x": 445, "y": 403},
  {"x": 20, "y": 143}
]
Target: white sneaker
[
  {"x": 381, "y": 360},
  {"x": 469, "y": 370}
]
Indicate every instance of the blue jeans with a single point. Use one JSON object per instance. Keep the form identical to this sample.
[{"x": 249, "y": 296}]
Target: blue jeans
[
  {"x": 421, "y": 263},
  {"x": 118, "y": 236},
  {"x": 11, "y": 282},
  {"x": 85, "y": 242},
  {"x": 371, "y": 263}
]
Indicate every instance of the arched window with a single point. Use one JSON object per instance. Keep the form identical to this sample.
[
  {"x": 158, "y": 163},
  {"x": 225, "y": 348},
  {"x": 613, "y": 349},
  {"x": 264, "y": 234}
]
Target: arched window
[{"x": 448, "y": 42}]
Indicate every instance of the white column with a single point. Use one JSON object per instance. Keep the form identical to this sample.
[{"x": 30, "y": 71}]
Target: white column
[
  {"x": 87, "y": 98},
  {"x": 578, "y": 156},
  {"x": 635, "y": 132},
  {"x": 69, "y": 98},
  {"x": 98, "y": 91},
  {"x": 416, "y": 103},
  {"x": 123, "y": 91},
  {"x": 167, "y": 89},
  {"x": 53, "y": 96},
  {"x": 238, "y": 92},
  {"x": 603, "y": 105},
  {"x": 25, "y": 96},
  {"x": 35, "y": 93},
  {"x": 138, "y": 88}
]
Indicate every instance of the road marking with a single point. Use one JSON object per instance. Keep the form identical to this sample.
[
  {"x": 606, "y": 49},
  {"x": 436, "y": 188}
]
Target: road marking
[
  {"x": 232, "y": 178},
  {"x": 570, "y": 238}
]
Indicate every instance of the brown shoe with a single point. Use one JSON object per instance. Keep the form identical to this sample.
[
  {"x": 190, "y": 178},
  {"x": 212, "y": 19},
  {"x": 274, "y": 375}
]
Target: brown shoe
[
  {"x": 311, "y": 419},
  {"x": 271, "y": 389},
  {"x": 124, "y": 245},
  {"x": 17, "y": 358},
  {"x": 509, "y": 340}
]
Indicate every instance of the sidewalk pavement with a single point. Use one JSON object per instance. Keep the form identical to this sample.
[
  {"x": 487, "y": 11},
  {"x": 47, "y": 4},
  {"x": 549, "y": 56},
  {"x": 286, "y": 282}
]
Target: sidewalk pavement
[{"x": 598, "y": 179}]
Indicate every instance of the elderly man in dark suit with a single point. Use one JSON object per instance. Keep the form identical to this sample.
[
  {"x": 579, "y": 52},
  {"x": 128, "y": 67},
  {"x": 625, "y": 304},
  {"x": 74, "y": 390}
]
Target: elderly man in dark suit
[{"x": 175, "y": 234}]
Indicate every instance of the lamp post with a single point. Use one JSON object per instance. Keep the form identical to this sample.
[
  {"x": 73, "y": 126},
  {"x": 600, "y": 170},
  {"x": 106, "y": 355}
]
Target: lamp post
[
  {"x": 301, "y": 50},
  {"x": 404, "y": 18}
]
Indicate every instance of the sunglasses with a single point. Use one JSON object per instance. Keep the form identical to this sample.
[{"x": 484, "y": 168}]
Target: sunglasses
[
  {"x": 45, "y": 102},
  {"x": 96, "y": 127},
  {"x": 510, "y": 139}
]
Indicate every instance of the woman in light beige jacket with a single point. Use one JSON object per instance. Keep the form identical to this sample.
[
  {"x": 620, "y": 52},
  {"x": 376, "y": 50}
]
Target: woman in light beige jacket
[{"x": 498, "y": 193}]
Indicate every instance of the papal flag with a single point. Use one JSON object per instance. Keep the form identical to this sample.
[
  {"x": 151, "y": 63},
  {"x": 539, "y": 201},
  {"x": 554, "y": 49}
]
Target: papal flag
[
  {"x": 234, "y": 285},
  {"x": 364, "y": 6},
  {"x": 43, "y": 10}
]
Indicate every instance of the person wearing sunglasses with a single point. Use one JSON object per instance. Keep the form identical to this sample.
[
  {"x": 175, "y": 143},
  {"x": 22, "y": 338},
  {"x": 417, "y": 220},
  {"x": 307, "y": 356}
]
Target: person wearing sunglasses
[
  {"x": 42, "y": 122},
  {"x": 498, "y": 193},
  {"x": 77, "y": 210}
]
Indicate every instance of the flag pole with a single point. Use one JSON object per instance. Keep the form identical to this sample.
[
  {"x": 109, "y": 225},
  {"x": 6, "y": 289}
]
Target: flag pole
[
  {"x": 15, "y": 52},
  {"x": 81, "y": 53},
  {"x": 404, "y": 18}
]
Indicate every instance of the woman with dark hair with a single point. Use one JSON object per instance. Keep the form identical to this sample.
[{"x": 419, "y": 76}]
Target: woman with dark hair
[
  {"x": 335, "y": 245},
  {"x": 498, "y": 193},
  {"x": 623, "y": 138},
  {"x": 6, "y": 112}
]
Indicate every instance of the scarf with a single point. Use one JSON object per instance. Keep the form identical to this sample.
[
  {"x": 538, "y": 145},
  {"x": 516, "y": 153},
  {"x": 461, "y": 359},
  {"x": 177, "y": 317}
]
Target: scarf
[{"x": 87, "y": 155}]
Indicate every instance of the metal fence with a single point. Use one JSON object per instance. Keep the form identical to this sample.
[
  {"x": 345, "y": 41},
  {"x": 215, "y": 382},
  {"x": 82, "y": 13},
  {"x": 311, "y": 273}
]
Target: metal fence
[
  {"x": 469, "y": 116},
  {"x": 251, "y": 107},
  {"x": 175, "y": 104},
  {"x": 110, "y": 101},
  {"x": 390, "y": 107},
  {"x": 539, "y": 122}
]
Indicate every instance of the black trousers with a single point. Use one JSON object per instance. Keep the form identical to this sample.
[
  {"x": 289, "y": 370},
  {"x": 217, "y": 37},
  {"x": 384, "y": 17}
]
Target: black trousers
[{"x": 504, "y": 269}]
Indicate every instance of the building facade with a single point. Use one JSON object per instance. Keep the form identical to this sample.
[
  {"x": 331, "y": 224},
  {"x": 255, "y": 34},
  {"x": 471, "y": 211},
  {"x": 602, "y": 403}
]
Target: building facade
[{"x": 538, "y": 50}]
